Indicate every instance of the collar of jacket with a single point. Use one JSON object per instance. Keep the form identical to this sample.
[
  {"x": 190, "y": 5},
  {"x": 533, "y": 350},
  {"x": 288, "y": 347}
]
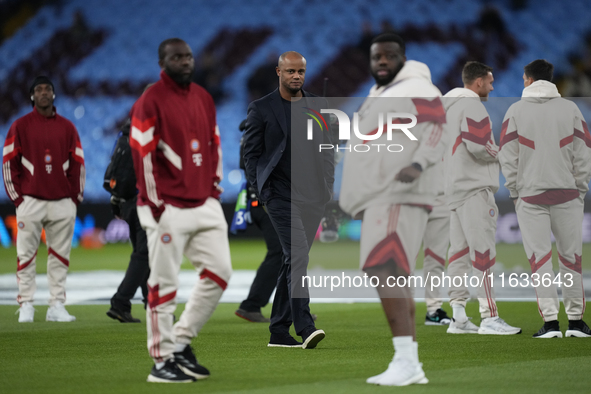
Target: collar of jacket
[
  {"x": 168, "y": 81},
  {"x": 43, "y": 117}
]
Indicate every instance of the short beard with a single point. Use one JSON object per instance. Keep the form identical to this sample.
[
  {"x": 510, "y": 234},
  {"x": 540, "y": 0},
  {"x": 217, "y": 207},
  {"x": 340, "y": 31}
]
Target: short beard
[
  {"x": 181, "y": 79},
  {"x": 382, "y": 81}
]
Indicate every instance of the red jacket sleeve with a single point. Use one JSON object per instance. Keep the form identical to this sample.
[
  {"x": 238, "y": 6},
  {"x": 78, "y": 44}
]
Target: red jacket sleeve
[
  {"x": 11, "y": 165},
  {"x": 143, "y": 139},
  {"x": 216, "y": 154},
  {"x": 76, "y": 172}
]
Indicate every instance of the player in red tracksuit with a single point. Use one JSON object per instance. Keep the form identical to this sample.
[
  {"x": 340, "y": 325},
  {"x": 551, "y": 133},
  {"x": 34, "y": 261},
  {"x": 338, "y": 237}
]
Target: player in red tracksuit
[
  {"x": 177, "y": 159},
  {"x": 43, "y": 169}
]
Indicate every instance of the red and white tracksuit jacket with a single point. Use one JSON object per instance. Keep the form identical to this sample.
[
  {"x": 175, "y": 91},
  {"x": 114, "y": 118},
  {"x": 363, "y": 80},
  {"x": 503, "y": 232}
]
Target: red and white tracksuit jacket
[
  {"x": 178, "y": 164},
  {"x": 44, "y": 175},
  {"x": 546, "y": 159},
  {"x": 471, "y": 179},
  {"x": 43, "y": 158}
]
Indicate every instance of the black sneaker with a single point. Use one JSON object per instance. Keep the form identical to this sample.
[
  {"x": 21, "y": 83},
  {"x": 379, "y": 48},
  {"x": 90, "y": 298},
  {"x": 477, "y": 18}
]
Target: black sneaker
[
  {"x": 438, "y": 318},
  {"x": 550, "y": 329},
  {"x": 169, "y": 373},
  {"x": 285, "y": 340},
  {"x": 577, "y": 328},
  {"x": 187, "y": 362},
  {"x": 254, "y": 317},
  {"x": 312, "y": 339},
  {"x": 123, "y": 317}
]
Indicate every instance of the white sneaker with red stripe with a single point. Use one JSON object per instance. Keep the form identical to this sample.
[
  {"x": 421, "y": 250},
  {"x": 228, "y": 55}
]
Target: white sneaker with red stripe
[
  {"x": 58, "y": 312},
  {"x": 497, "y": 326}
]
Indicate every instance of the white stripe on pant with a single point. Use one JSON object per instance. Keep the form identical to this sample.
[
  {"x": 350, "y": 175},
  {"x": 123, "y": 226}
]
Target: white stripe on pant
[
  {"x": 200, "y": 233},
  {"x": 472, "y": 245},
  {"x": 57, "y": 217},
  {"x": 566, "y": 223}
]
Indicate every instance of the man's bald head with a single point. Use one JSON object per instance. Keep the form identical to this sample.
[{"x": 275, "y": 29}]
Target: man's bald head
[
  {"x": 290, "y": 56},
  {"x": 291, "y": 69}
]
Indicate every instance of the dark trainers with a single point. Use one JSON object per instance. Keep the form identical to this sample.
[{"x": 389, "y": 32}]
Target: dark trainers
[
  {"x": 169, "y": 373},
  {"x": 438, "y": 318},
  {"x": 577, "y": 328},
  {"x": 550, "y": 329},
  {"x": 312, "y": 339},
  {"x": 254, "y": 317},
  {"x": 286, "y": 340},
  {"x": 188, "y": 364},
  {"x": 123, "y": 317}
]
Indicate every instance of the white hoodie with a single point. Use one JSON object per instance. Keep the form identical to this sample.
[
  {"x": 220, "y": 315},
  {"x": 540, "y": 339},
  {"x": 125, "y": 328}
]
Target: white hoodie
[
  {"x": 368, "y": 177},
  {"x": 544, "y": 148},
  {"x": 470, "y": 159}
]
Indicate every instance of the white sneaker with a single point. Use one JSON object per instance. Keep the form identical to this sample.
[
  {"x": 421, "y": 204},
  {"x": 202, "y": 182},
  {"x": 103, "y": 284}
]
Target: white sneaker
[
  {"x": 26, "y": 313},
  {"x": 497, "y": 326},
  {"x": 400, "y": 372},
  {"x": 462, "y": 327},
  {"x": 58, "y": 313}
]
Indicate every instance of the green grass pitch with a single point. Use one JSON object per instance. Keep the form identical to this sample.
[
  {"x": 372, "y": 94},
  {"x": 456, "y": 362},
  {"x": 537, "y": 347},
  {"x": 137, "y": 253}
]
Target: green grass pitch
[{"x": 98, "y": 355}]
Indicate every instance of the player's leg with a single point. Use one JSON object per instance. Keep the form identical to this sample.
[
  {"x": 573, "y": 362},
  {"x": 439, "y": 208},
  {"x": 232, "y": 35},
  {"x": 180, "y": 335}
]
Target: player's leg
[
  {"x": 435, "y": 244},
  {"x": 567, "y": 222},
  {"x": 209, "y": 252},
  {"x": 390, "y": 241},
  {"x": 459, "y": 266},
  {"x": 266, "y": 277},
  {"x": 479, "y": 220},
  {"x": 29, "y": 215},
  {"x": 166, "y": 241},
  {"x": 137, "y": 271},
  {"x": 534, "y": 223},
  {"x": 59, "y": 229}
]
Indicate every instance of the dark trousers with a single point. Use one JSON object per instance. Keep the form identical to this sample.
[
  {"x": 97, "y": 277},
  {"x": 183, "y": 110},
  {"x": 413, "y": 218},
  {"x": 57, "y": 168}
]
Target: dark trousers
[
  {"x": 266, "y": 278},
  {"x": 296, "y": 225},
  {"x": 139, "y": 269}
]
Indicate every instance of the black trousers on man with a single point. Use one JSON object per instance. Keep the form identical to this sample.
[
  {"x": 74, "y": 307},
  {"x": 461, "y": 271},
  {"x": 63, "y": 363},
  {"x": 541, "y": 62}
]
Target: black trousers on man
[
  {"x": 296, "y": 225},
  {"x": 139, "y": 269},
  {"x": 266, "y": 277}
]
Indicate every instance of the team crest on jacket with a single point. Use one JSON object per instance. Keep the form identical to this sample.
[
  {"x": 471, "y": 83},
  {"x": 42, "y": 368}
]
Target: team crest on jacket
[
  {"x": 166, "y": 238},
  {"x": 47, "y": 157},
  {"x": 194, "y": 145},
  {"x": 492, "y": 213},
  {"x": 21, "y": 225}
]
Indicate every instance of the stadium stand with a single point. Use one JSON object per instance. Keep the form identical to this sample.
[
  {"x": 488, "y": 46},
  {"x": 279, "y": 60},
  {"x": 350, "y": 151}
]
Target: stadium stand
[{"x": 101, "y": 53}]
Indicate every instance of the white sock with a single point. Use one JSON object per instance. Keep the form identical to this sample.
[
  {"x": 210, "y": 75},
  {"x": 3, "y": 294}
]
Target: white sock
[
  {"x": 179, "y": 347},
  {"x": 159, "y": 365},
  {"x": 415, "y": 351},
  {"x": 459, "y": 312},
  {"x": 403, "y": 347}
]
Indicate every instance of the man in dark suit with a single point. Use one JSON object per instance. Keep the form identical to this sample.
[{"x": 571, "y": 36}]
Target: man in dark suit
[{"x": 294, "y": 179}]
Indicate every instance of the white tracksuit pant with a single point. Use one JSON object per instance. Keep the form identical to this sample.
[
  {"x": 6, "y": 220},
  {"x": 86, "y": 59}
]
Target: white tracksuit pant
[
  {"x": 435, "y": 244},
  {"x": 200, "y": 233},
  {"x": 566, "y": 222},
  {"x": 473, "y": 227},
  {"x": 57, "y": 217}
]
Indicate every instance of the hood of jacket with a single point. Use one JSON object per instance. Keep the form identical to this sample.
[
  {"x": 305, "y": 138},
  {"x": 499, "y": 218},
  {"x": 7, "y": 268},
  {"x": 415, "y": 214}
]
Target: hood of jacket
[
  {"x": 411, "y": 69},
  {"x": 540, "y": 91},
  {"x": 454, "y": 95}
]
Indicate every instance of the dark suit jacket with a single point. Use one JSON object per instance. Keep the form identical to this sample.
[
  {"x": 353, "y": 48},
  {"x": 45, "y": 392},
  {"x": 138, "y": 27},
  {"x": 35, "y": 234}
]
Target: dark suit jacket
[{"x": 265, "y": 139}]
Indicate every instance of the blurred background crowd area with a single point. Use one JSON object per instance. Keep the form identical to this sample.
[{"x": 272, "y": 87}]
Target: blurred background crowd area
[{"x": 101, "y": 53}]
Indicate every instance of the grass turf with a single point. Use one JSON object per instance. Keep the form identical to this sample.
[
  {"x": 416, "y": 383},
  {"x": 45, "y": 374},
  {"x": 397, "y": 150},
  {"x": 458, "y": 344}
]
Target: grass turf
[
  {"x": 246, "y": 254},
  {"x": 98, "y": 355}
]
